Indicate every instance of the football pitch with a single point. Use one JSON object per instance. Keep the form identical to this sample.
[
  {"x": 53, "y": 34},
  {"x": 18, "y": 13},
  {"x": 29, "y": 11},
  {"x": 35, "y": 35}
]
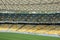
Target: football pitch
[{"x": 17, "y": 36}]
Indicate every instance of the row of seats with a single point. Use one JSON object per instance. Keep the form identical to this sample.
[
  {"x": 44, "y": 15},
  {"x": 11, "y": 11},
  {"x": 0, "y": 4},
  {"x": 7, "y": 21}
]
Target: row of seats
[
  {"x": 40, "y": 29},
  {"x": 10, "y": 27},
  {"x": 41, "y": 18},
  {"x": 13, "y": 5},
  {"x": 32, "y": 8},
  {"x": 27, "y": 1}
]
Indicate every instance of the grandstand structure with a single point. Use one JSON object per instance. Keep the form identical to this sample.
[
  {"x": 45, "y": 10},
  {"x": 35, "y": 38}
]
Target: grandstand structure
[
  {"x": 31, "y": 6},
  {"x": 30, "y": 16},
  {"x": 28, "y": 28}
]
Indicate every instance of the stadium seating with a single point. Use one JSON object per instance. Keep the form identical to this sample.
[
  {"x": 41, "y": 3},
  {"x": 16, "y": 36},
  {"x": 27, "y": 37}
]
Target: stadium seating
[
  {"x": 41, "y": 18},
  {"x": 39, "y": 6},
  {"x": 4, "y": 27},
  {"x": 39, "y": 29},
  {"x": 13, "y": 28},
  {"x": 27, "y": 1},
  {"x": 45, "y": 11}
]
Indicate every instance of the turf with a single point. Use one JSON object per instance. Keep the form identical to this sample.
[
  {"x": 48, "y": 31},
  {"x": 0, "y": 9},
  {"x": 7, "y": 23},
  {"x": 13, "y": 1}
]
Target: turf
[{"x": 16, "y": 36}]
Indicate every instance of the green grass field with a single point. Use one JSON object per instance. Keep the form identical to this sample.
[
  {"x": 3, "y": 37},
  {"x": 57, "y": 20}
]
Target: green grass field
[{"x": 16, "y": 36}]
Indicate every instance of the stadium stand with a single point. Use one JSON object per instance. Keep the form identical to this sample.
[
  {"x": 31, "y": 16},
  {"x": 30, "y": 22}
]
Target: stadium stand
[
  {"x": 20, "y": 20},
  {"x": 38, "y": 6},
  {"x": 39, "y": 29},
  {"x": 4, "y": 27},
  {"x": 39, "y": 18}
]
